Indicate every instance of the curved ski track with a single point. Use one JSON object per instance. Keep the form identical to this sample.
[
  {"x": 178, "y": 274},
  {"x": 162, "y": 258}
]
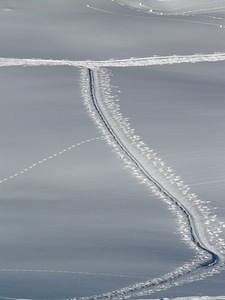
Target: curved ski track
[
  {"x": 195, "y": 238},
  {"x": 189, "y": 271}
]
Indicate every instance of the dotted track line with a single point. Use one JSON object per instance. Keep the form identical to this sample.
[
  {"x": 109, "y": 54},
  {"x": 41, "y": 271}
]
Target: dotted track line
[{"x": 48, "y": 158}]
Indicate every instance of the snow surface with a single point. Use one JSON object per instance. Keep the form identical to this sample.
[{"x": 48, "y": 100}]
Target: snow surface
[{"x": 74, "y": 223}]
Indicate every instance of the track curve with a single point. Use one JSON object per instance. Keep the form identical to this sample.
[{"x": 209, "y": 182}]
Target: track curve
[
  {"x": 195, "y": 237},
  {"x": 187, "y": 272}
]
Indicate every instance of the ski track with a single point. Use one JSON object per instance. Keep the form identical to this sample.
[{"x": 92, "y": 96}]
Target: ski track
[
  {"x": 190, "y": 211},
  {"x": 210, "y": 261},
  {"x": 40, "y": 162},
  {"x": 142, "y": 161},
  {"x": 131, "y": 62}
]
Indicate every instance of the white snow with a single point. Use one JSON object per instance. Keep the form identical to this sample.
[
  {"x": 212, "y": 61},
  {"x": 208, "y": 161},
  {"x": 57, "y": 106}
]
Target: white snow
[{"x": 75, "y": 223}]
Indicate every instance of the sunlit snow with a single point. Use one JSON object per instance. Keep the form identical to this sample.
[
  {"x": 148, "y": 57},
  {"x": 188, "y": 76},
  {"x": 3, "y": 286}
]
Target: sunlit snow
[{"x": 112, "y": 138}]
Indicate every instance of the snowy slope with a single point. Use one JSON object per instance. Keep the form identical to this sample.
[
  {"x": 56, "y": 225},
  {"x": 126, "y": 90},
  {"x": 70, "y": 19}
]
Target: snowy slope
[{"x": 74, "y": 222}]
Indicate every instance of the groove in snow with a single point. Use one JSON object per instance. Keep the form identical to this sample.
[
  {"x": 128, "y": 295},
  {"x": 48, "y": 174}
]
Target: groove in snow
[{"x": 197, "y": 224}]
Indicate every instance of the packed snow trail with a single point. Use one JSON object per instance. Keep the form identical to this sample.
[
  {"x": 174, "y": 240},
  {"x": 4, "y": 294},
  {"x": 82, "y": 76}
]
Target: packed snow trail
[
  {"x": 130, "y": 62},
  {"x": 210, "y": 257},
  {"x": 195, "y": 238},
  {"x": 209, "y": 260}
]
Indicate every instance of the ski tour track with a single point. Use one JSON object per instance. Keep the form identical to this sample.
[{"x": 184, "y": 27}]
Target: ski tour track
[
  {"x": 174, "y": 278},
  {"x": 212, "y": 260},
  {"x": 195, "y": 238},
  {"x": 209, "y": 259}
]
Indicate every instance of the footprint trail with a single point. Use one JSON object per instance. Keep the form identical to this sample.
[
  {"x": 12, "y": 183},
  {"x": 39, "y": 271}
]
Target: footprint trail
[{"x": 54, "y": 155}]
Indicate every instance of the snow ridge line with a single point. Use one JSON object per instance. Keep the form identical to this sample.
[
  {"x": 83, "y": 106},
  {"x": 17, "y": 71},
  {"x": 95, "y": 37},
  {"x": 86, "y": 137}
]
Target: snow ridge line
[
  {"x": 95, "y": 86},
  {"x": 130, "y": 62}
]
